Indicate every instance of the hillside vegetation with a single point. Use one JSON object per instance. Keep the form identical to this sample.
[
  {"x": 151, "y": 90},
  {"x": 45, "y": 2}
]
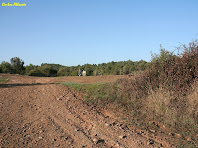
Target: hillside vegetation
[
  {"x": 16, "y": 66},
  {"x": 165, "y": 94}
]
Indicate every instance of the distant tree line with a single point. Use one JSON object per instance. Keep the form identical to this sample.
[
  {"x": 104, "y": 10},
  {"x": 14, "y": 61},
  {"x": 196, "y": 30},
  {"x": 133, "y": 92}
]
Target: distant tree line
[{"x": 16, "y": 66}]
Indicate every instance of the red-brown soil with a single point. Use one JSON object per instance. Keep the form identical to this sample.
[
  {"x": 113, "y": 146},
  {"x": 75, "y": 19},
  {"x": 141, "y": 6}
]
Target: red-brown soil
[{"x": 37, "y": 112}]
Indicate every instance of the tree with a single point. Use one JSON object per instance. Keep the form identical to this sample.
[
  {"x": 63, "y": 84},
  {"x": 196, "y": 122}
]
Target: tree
[
  {"x": 28, "y": 68},
  {"x": 89, "y": 70},
  {"x": 6, "y": 67},
  {"x": 64, "y": 71},
  {"x": 17, "y": 65},
  {"x": 126, "y": 69},
  {"x": 48, "y": 71},
  {"x": 116, "y": 70},
  {"x": 36, "y": 72}
]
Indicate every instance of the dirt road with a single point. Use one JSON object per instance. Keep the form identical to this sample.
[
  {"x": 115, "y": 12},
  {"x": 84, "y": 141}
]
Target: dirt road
[{"x": 36, "y": 112}]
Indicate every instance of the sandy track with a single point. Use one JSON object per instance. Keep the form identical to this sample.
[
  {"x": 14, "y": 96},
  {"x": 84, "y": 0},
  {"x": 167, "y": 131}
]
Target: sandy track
[{"x": 38, "y": 113}]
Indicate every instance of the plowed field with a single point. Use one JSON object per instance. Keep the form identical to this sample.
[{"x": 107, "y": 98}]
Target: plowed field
[{"x": 38, "y": 112}]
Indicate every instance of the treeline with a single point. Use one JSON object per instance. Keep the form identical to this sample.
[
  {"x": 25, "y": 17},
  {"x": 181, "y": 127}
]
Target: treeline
[{"x": 16, "y": 66}]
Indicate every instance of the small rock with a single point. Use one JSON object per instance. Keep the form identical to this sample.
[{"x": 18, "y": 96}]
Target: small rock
[
  {"x": 122, "y": 137},
  {"x": 77, "y": 130},
  {"x": 178, "y": 135},
  {"x": 59, "y": 98},
  {"x": 40, "y": 137},
  {"x": 117, "y": 145},
  {"x": 171, "y": 134},
  {"x": 153, "y": 131},
  {"x": 95, "y": 139},
  {"x": 90, "y": 127},
  {"x": 188, "y": 139},
  {"x": 106, "y": 124}
]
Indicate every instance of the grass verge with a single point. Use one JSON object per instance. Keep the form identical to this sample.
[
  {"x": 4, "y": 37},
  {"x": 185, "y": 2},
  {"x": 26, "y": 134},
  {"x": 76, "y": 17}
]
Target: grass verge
[
  {"x": 3, "y": 80},
  {"x": 153, "y": 108},
  {"x": 93, "y": 92}
]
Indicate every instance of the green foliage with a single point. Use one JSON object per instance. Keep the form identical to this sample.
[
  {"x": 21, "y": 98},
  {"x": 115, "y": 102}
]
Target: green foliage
[
  {"x": 76, "y": 86},
  {"x": 4, "y": 80},
  {"x": 95, "y": 92},
  {"x": 175, "y": 72},
  {"x": 48, "y": 70},
  {"x": 52, "y": 66},
  {"x": 17, "y": 65},
  {"x": 126, "y": 69},
  {"x": 162, "y": 57},
  {"x": 36, "y": 72},
  {"x": 28, "y": 68},
  {"x": 64, "y": 71},
  {"x": 112, "y": 68},
  {"x": 6, "y": 67},
  {"x": 41, "y": 71},
  {"x": 53, "y": 70}
]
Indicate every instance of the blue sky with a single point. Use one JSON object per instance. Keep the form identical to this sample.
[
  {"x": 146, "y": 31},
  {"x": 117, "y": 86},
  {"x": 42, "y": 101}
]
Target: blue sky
[{"x": 72, "y": 32}]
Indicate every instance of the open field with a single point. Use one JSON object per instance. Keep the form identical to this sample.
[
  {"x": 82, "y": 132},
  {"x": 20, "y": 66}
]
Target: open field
[
  {"x": 91, "y": 79},
  {"x": 37, "y": 112}
]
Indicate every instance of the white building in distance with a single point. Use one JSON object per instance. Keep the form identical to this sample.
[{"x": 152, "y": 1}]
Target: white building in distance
[{"x": 83, "y": 73}]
